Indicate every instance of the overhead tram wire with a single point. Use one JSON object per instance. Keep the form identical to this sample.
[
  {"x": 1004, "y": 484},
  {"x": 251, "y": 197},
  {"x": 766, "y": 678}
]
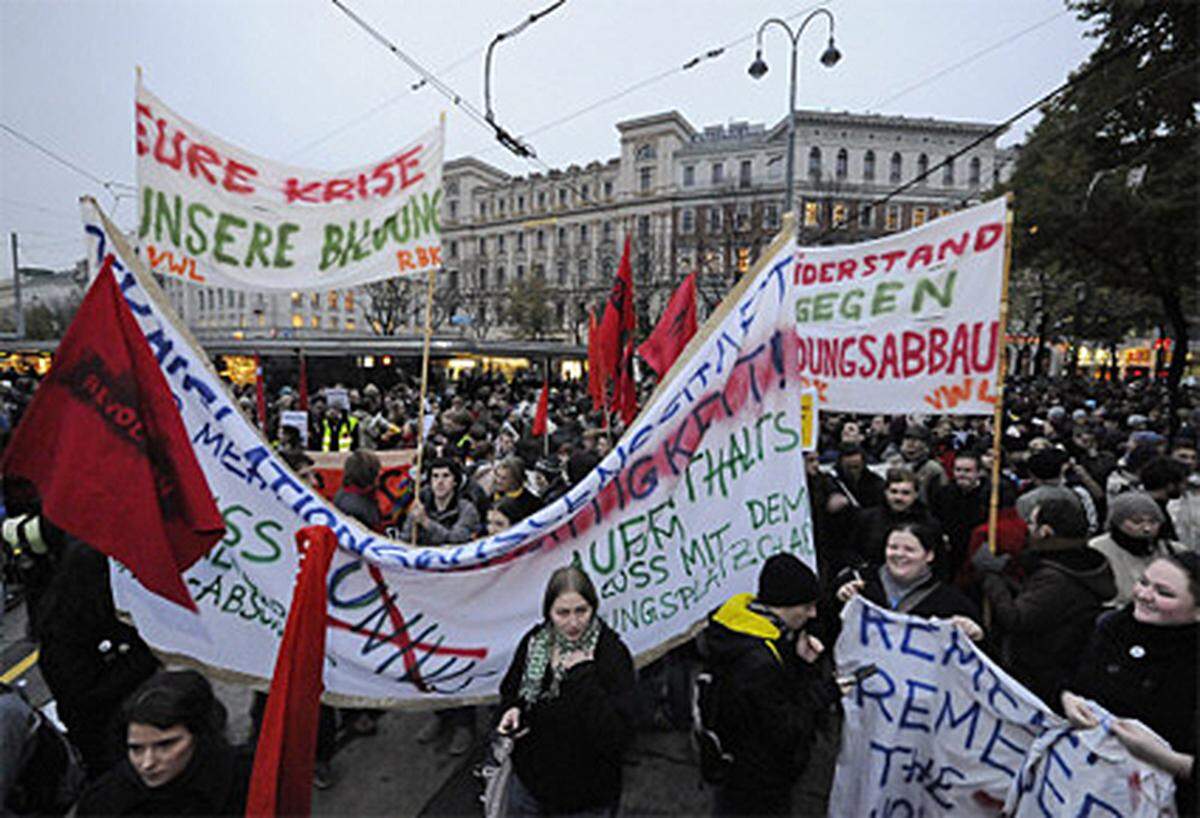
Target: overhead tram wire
[
  {"x": 440, "y": 86},
  {"x": 108, "y": 186},
  {"x": 392, "y": 100},
  {"x": 968, "y": 59}
]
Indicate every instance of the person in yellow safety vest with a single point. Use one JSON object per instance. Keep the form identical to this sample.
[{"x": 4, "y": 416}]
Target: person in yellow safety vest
[{"x": 338, "y": 433}]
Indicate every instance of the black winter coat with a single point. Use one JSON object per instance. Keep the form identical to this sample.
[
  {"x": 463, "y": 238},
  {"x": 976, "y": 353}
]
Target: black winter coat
[
  {"x": 937, "y": 599},
  {"x": 770, "y": 700},
  {"x": 215, "y": 782},
  {"x": 1047, "y": 624},
  {"x": 571, "y": 757},
  {"x": 1146, "y": 672}
]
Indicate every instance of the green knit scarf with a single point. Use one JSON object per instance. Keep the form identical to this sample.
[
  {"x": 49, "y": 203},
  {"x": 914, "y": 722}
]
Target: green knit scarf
[{"x": 541, "y": 646}]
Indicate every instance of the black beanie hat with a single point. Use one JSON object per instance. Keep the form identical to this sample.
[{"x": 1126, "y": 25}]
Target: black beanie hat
[{"x": 786, "y": 581}]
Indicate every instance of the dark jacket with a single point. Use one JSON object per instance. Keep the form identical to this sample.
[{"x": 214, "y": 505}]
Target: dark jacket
[
  {"x": 770, "y": 699},
  {"x": 1146, "y": 672},
  {"x": 215, "y": 782},
  {"x": 932, "y": 598},
  {"x": 571, "y": 757},
  {"x": 457, "y": 523},
  {"x": 89, "y": 659},
  {"x": 959, "y": 512},
  {"x": 359, "y": 504},
  {"x": 1047, "y": 623},
  {"x": 866, "y": 492}
]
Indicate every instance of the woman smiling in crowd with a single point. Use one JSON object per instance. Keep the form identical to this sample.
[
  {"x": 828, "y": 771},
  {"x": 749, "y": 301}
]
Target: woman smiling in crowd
[{"x": 1141, "y": 664}]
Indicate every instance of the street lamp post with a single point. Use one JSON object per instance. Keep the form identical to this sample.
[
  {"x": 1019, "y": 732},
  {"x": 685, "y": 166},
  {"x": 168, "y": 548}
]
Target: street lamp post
[{"x": 758, "y": 69}]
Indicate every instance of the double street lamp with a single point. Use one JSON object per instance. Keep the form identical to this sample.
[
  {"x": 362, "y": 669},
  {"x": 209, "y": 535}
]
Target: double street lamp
[{"x": 758, "y": 69}]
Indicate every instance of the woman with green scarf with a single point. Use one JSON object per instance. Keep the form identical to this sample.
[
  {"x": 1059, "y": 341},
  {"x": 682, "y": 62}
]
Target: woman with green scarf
[{"x": 567, "y": 700}]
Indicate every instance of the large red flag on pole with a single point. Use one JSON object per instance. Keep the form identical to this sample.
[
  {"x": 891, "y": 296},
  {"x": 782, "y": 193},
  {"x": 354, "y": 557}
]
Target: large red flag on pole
[
  {"x": 619, "y": 321},
  {"x": 281, "y": 783},
  {"x": 103, "y": 443},
  {"x": 674, "y": 329},
  {"x": 595, "y": 375}
]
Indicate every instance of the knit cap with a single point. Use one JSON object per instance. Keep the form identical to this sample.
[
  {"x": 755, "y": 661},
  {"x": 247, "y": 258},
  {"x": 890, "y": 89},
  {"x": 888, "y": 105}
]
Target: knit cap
[
  {"x": 785, "y": 581},
  {"x": 1130, "y": 504}
]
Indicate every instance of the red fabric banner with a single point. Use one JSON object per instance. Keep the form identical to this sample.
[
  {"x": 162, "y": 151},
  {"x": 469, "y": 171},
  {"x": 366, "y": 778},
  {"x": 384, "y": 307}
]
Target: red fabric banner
[
  {"x": 281, "y": 783},
  {"x": 674, "y": 329},
  {"x": 619, "y": 322},
  {"x": 541, "y": 417},
  {"x": 103, "y": 443}
]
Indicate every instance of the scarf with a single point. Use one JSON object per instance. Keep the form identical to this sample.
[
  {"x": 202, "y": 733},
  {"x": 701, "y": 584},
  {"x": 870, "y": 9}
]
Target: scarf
[
  {"x": 896, "y": 591},
  {"x": 542, "y": 646},
  {"x": 1138, "y": 546}
]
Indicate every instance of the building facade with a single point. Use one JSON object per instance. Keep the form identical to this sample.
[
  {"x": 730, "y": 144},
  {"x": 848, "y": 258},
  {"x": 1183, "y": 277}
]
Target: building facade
[{"x": 528, "y": 256}]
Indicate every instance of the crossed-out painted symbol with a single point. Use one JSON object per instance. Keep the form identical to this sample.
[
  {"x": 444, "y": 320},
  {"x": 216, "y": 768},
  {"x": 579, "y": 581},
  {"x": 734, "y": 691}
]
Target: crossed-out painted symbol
[{"x": 412, "y": 647}]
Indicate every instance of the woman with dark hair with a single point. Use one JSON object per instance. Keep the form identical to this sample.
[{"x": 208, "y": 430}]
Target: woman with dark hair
[
  {"x": 1141, "y": 665},
  {"x": 178, "y": 761},
  {"x": 567, "y": 700},
  {"x": 906, "y": 583},
  {"x": 89, "y": 659}
]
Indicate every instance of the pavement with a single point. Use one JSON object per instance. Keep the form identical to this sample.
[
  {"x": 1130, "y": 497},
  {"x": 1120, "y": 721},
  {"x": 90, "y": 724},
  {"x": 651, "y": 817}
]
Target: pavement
[{"x": 390, "y": 774}]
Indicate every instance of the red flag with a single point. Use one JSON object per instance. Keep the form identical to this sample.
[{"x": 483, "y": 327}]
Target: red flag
[
  {"x": 618, "y": 323},
  {"x": 281, "y": 783},
  {"x": 595, "y": 376},
  {"x": 543, "y": 411},
  {"x": 674, "y": 329},
  {"x": 103, "y": 443},
  {"x": 625, "y": 390},
  {"x": 260, "y": 396},
  {"x": 302, "y": 404}
]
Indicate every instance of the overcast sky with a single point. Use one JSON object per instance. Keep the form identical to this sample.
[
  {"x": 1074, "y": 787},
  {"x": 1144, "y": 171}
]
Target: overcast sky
[{"x": 298, "y": 81}]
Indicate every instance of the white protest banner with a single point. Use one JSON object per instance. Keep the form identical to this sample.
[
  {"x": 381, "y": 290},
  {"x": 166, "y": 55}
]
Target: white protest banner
[
  {"x": 212, "y": 213},
  {"x": 707, "y": 483},
  {"x": 296, "y": 419},
  {"x": 906, "y": 323},
  {"x": 940, "y": 729}
]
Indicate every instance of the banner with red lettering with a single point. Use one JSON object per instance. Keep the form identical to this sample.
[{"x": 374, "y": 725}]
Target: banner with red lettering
[
  {"x": 906, "y": 323},
  {"x": 212, "y": 213}
]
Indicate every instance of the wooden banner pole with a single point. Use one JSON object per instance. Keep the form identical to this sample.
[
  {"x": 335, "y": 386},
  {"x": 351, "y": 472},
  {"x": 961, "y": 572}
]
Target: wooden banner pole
[{"x": 1001, "y": 374}]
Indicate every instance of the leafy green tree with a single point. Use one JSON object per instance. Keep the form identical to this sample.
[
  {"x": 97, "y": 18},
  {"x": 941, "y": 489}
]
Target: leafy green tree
[
  {"x": 1106, "y": 184},
  {"x": 528, "y": 310}
]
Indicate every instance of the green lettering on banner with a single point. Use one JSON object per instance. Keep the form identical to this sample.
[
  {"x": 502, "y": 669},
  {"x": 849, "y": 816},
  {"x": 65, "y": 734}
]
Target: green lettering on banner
[
  {"x": 926, "y": 286},
  {"x": 884, "y": 301}
]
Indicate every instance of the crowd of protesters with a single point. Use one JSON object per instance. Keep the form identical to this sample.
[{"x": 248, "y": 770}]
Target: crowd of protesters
[{"x": 1096, "y": 541}]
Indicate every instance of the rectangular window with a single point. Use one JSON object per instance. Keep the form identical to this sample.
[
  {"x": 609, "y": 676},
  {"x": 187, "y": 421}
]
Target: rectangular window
[
  {"x": 643, "y": 224},
  {"x": 839, "y": 215},
  {"x": 452, "y": 249},
  {"x": 812, "y": 214},
  {"x": 583, "y": 270},
  {"x": 500, "y": 243},
  {"x": 562, "y": 235},
  {"x": 583, "y": 232},
  {"x": 542, "y": 199},
  {"x": 608, "y": 190},
  {"x": 687, "y": 220},
  {"x": 645, "y": 179},
  {"x": 584, "y": 191},
  {"x": 771, "y": 217},
  {"x": 893, "y": 217},
  {"x": 608, "y": 231},
  {"x": 520, "y": 272},
  {"x": 714, "y": 219},
  {"x": 520, "y": 242},
  {"x": 482, "y": 209},
  {"x": 333, "y": 299},
  {"x": 689, "y": 175},
  {"x": 718, "y": 173},
  {"x": 741, "y": 217},
  {"x": 562, "y": 197},
  {"x": 561, "y": 270},
  {"x": 865, "y": 216},
  {"x": 919, "y": 216},
  {"x": 521, "y": 204},
  {"x": 453, "y": 210},
  {"x": 482, "y": 246},
  {"x": 745, "y": 174}
]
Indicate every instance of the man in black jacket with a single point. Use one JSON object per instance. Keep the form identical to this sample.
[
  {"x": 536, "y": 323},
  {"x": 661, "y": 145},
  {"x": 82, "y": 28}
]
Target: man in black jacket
[
  {"x": 902, "y": 504},
  {"x": 772, "y": 692},
  {"x": 960, "y": 506},
  {"x": 1046, "y": 623}
]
